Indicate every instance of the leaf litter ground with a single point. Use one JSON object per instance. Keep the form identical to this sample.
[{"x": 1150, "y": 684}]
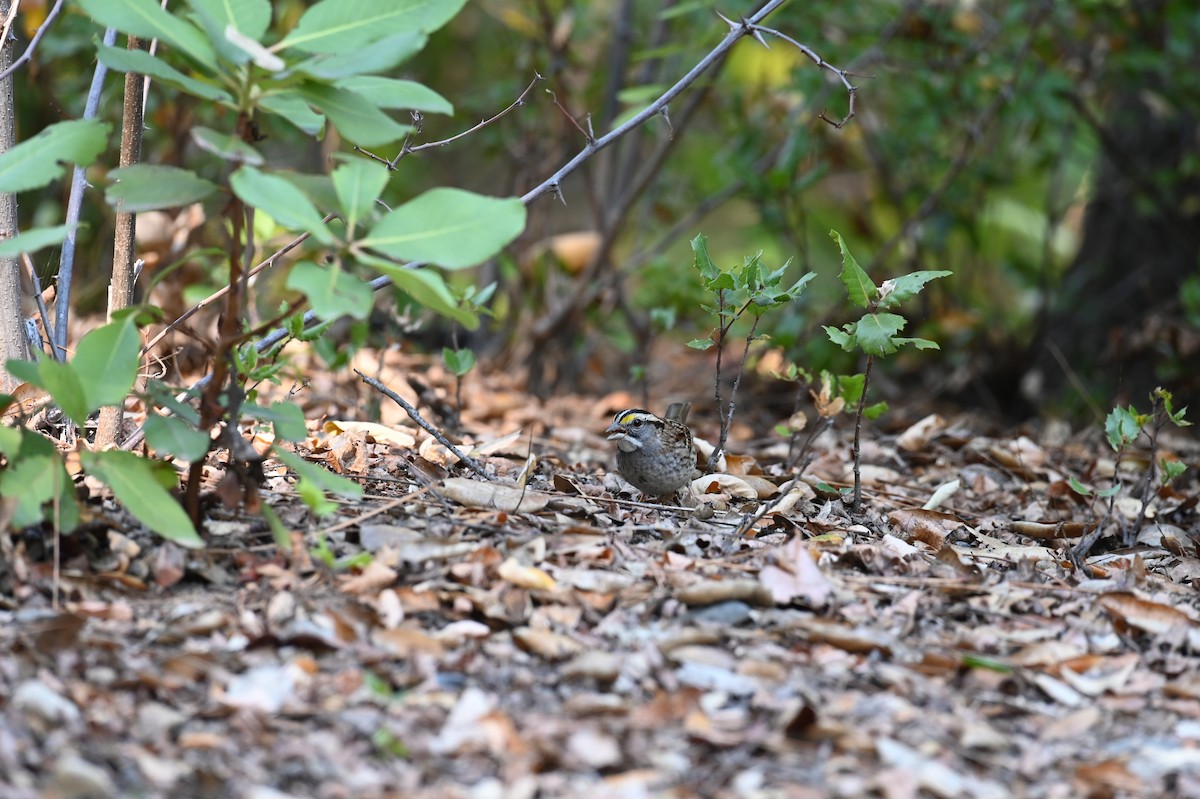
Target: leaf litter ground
[{"x": 476, "y": 639}]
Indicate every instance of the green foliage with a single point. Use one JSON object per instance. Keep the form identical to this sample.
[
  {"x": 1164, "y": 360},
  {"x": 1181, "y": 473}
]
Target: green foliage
[
  {"x": 141, "y": 486},
  {"x": 876, "y": 334},
  {"x": 458, "y": 361},
  {"x": 145, "y": 187},
  {"x": 38, "y": 161}
]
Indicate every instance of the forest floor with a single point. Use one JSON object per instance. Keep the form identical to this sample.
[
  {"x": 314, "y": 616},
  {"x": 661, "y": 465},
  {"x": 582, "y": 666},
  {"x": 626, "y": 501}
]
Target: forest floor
[{"x": 437, "y": 639}]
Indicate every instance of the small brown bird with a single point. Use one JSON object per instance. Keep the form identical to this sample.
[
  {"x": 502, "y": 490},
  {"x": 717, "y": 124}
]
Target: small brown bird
[{"x": 654, "y": 453}]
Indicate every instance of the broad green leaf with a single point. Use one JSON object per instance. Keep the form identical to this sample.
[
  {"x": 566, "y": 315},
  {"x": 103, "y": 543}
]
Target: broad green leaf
[
  {"x": 875, "y": 411},
  {"x": 136, "y": 483},
  {"x": 899, "y": 289},
  {"x": 291, "y": 107},
  {"x": 123, "y": 60},
  {"x": 919, "y": 343},
  {"x": 40, "y": 160},
  {"x": 32, "y": 479},
  {"x": 249, "y": 17},
  {"x": 333, "y": 26},
  {"x": 449, "y": 227},
  {"x": 175, "y": 437},
  {"x": 149, "y": 187},
  {"x": 147, "y": 19},
  {"x": 355, "y": 117},
  {"x": 33, "y": 240},
  {"x": 58, "y": 380},
  {"x": 225, "y": 146},
  {"x": 850, "y": 387},
  {"x": 330, "y": 290},
  {"x": 843, "y": 338},
  {"x": 1122, "y": 426},
  {"x": 317, "y": 188},
  {"x": 702, "y": 343},
  {"x": 358, "y": 185},
  {"x": 277, "y": 197},
  {"x": 165, "y": 396},
  {"x": 393, "y": 93},
  {"x": 427, "y": 288},
  {"x": 1079, "y": 488},
  {"x": 381, "y": 56},
  {"x": 107, "y": 361},
  {"x": 859, "y": 288},
  {"x": 459, "y": 362},
  {"x": 704, "y": 264},
  {"x": 875, "y": 332},
  {"x": 286, "y": 417}
]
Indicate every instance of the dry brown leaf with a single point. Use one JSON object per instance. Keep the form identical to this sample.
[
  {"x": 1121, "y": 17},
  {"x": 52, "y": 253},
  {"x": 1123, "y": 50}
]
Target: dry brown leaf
[
  {"x": 918, "y": 436},
  {"x": 522, "y": 576},
  {"x": 383, "y": 434},
  {"x": 1151, "y": 617},
  {"x": 371, "y": 580},
  {"x": 491, "y": 496},
  {"x": 546, "y": 644},
  {"x": 796, "y": 576}
]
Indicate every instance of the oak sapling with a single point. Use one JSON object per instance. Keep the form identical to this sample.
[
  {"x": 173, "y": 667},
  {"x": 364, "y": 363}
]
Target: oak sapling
[
  {"x": 875, "y": 334},
  {"x": 752, "y": 289}
]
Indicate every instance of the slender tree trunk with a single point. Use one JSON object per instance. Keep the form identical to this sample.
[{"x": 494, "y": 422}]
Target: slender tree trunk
[
  {"x": 13, "y": 344},
  {"x": 120, "y": 288}
]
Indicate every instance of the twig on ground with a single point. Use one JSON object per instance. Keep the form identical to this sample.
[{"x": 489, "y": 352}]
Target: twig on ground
[{"x": 413, "y": 414}]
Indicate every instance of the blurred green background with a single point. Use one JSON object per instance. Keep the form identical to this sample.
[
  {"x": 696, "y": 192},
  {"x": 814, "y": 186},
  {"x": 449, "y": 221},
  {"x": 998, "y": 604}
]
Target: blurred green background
[{"x": 1045, "y": 152}]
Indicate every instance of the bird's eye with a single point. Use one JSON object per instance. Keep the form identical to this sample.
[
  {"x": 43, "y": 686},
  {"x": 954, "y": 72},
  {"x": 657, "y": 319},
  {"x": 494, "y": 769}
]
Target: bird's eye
[{"x": 637, "y": 423}]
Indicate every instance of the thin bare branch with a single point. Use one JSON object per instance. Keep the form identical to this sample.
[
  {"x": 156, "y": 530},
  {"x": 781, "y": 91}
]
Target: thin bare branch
[{"x": 405, "y": 149}]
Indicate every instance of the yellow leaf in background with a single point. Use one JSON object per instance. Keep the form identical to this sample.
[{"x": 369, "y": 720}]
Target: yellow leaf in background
[{"x": 33, "y": 17}]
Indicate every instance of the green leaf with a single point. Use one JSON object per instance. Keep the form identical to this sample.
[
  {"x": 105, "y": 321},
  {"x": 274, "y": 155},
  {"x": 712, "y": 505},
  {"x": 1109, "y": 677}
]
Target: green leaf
[
  {"x": 1171, "y": 469},
  {"x": 702, "y": 343},
  {"x": 333, "y": 26},
  {"x": 843, "y": 338},
  {"x": 703, "y": 262},
  {"x": 919, "y": 343},
  {"x": 850, "y": 387},
  {"x": 106, "y": 362},
  {"x": 225, "y": 146},
  {"x": 1079, "y": 488},
  {"x": 1122, "y": 426},
  {"x": 42, "y": 159},
  {"x": 314, "y": 480},
  {"x": 275, "y": 196},
  {"x": 33, "y": 477},
  {"x": 859, "y": 288},
  {"x": 875, "y": 331},
  {"x": 449, "y": 227},
  {"x": 427, "y": 288},
  {"x": 148, "y": 187},
  {"x": 876, "y": 410},
  {"x": 145, "y": 18},
  {"x": 899, "y": 289},
  {"x": 249, "y": 17},
  {"x": 59, "y": 380},
  {"x": 393, "y": 93},
  {"x": 139, "y": 61},
  {"x": 175, "y": 437},
  {"x": 330, "y": 290},
  {"x": 381, "y": 56},
  {"x": 34, "y": 240},
  {"x": 358, "y": 185},
  {"x": 291, "y": 107},
  {"x": 355, "y": 117},
  {"x": 137, "y": 484},
  {"x": 285, "y": 417},
  {"x": 459, "y": 362}
]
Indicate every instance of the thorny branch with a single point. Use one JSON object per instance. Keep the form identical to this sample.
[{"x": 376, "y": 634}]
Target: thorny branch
[
  {"x": 407, "y": 148},
  {"x": 33, "y": 43}
]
